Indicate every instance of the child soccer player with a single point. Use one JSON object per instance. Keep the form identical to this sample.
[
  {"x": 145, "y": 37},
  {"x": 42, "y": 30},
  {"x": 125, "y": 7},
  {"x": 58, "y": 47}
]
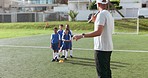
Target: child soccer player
[
  {"x": 70, "y": 32},
  {"x": 60, "y": 32},
  {"x": 55, "y": 44},
  {"x": 66, "y": 42}
]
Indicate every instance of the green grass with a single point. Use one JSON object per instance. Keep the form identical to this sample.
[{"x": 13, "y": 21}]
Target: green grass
[
  {"x": 41, "y": 25},
  {"x": 9, "y": 33},
  {"x": 12, "y": 33},
  {"x": 131, "y": 65},
  {"x": 8, "y": 30},
  {"x": 130, "y": 25},
  {"x": 130, "y": 42},
  {"x": 27, "y": 62},
  {"x": 120, "y": 25}
]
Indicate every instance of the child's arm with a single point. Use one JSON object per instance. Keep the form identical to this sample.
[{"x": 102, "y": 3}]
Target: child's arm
[
  {"x": 70, "y": 33},
  {"x": 70, "y": 37},
  {"x": 59, "y": 44},
  {"x": 63, "y": 38}
]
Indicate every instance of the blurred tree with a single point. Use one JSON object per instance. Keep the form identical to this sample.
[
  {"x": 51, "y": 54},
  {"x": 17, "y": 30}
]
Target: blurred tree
[
  {"x": 113, "y": 5},
  {"x": 72, "y": 15},
  {"x": 93, "y": 6}
]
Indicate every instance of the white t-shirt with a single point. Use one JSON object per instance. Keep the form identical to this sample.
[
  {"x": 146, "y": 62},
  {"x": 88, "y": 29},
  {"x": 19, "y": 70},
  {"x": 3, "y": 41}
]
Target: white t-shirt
[{"x": 104, "y": 41}]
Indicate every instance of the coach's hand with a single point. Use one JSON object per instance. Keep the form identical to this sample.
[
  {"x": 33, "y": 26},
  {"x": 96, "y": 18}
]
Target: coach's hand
[
  {"x": 77, "y": 37},
  {"x": 93, "y": 18}
]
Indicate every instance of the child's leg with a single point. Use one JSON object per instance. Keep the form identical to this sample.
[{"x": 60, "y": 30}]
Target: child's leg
[
  {"x": 61, "y": 45},
  {"x": 60, "y": 50},
  {"x": 54, "y": 54},
  {"x": 66, "y": 53},
  {"x": 57, "y": 54},
  {"x": 56, "y": 51},
  {"x": 71, "y": 52},
  {"x": 63, "y": 52}
]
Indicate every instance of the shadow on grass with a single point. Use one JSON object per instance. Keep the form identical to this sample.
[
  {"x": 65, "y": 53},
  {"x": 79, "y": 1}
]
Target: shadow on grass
[
  {"x": 91, "y": 62},
  {"x": 89, "y": 59}
]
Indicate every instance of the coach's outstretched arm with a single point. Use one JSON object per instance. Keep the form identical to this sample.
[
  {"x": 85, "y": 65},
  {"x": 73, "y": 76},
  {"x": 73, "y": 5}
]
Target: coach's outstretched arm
[{"x": 91, "y": 34}]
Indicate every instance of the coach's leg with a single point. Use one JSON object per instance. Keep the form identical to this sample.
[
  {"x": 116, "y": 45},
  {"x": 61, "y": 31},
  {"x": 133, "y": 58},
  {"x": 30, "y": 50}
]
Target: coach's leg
[
  {"x": 108, "y": 58},
  {"x": 97, "y": 63},
  {"x": 102, "y": 60}
]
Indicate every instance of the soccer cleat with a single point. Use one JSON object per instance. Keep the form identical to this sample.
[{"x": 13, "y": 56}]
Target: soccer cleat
[
  {"x": 52, "y": 60},
  {"x": 57, "y": 60},
  {"x": 71, "y": 56},
  {"x": 62, "y": 56},
  {"x": 65, "y": 58}
]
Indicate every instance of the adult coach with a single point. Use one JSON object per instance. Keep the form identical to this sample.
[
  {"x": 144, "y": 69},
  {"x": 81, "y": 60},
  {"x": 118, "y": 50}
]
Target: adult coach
[{"x": 103, "y": 46}]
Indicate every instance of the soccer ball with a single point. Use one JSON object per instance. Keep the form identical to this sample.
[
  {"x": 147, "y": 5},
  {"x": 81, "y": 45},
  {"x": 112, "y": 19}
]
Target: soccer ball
[{"x": 61, "y": 61}]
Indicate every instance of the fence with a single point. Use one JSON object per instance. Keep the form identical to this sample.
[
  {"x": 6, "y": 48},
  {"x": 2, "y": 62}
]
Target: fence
[{"x": 33, "y": 17}]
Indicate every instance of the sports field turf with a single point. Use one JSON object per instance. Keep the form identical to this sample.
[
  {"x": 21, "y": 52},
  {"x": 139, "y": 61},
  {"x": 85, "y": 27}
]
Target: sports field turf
[{"x": 30, "y": 57}]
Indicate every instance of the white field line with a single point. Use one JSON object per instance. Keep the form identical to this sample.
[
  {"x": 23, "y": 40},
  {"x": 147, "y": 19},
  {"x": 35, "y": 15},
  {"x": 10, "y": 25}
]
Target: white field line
[
  {"x": 115, "y": 50},
  {"x": 15, "y": 46},
  {"x": 44, "y": 47}
]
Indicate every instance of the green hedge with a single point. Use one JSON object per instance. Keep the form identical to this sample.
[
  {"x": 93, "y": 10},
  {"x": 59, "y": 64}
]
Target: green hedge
[
  {"x": 73, "y": 25},
  {"x": 41, "y": 25}
]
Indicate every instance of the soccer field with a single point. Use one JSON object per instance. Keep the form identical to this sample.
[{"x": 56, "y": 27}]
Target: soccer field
[{"x": 30, "y": 57}]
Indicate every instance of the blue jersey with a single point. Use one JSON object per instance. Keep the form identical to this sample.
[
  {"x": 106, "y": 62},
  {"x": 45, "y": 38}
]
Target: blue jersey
[
  {"x": 66, "y": 37},
  {"x": 70, "y": 32},
  {"x": 66, "y": 44},
  {"x": 60, "y": 32},
  {"x": 55, "y": 38}
]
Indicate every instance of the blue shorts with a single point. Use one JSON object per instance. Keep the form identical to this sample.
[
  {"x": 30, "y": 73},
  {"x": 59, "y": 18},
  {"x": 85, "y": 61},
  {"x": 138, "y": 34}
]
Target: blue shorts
[
  {"x": 55, "y": 46},
  {"x": 66, "y": 45}
]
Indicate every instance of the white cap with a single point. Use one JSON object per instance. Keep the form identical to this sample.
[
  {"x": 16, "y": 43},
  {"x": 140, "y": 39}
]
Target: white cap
[{"x": 101, "y": 1}]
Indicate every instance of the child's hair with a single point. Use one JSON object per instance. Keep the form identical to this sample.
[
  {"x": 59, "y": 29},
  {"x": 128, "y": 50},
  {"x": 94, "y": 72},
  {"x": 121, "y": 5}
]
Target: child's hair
[
  {"x": 67, "y": 25},
  {"x": 55, "y": 28},
  {"x": 61, "y": 25}
]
